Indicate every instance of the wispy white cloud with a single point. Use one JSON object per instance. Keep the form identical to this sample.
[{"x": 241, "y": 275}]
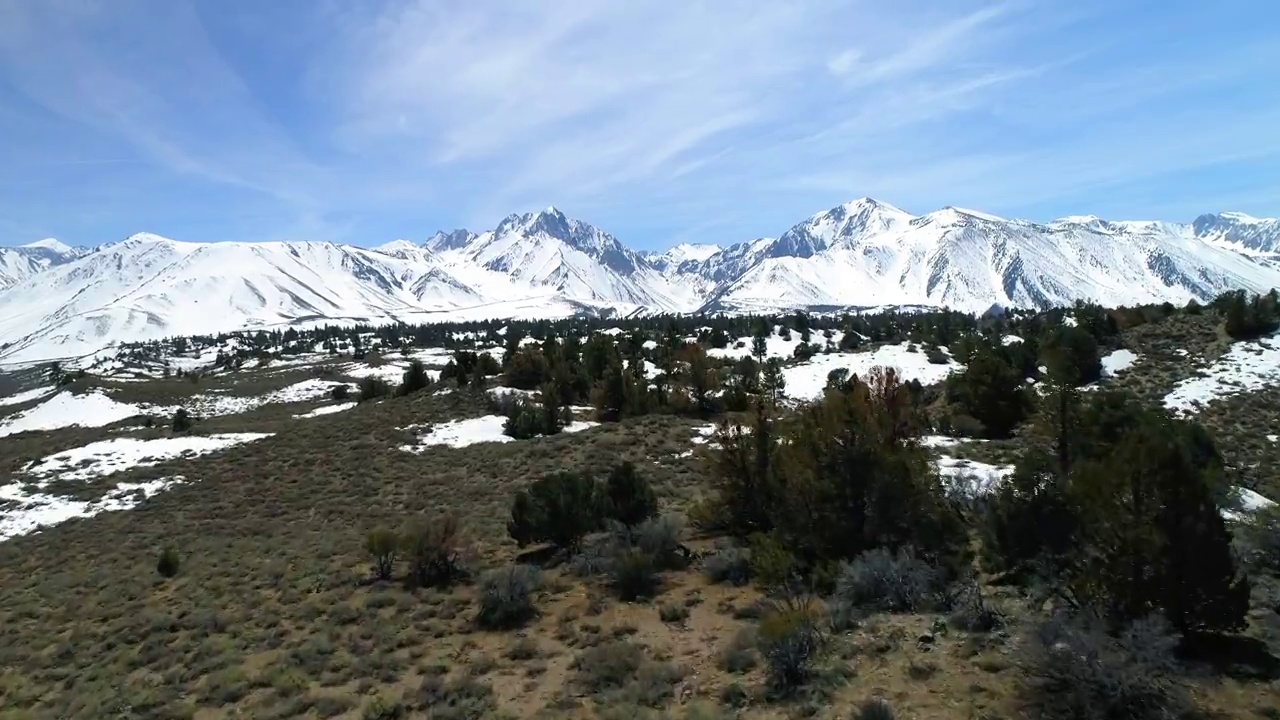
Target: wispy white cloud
[{"x": 658, "y": 120}]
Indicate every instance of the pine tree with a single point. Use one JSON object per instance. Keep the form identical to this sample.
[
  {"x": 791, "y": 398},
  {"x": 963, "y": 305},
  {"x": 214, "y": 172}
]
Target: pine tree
[
  {"x": 631, "y": 497},
  {"x": 552, "y": 410},
  {"x": 560, "y": 509},
  {"x": 991, "y": 391},
  {"x": 610, "y": 394},
  {"x": 415, "y": 378},
  {"x": 772, "y": 380}
]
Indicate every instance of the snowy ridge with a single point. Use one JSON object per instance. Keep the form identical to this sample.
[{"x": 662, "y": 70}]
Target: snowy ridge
[
  {"x": 58, "y": 302},
  {"x": 19, "y": 263},
  {"x": 867, "y": 253}
]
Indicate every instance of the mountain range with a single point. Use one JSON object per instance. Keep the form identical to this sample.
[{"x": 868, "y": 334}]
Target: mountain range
[{"x": 62, "y": 302}]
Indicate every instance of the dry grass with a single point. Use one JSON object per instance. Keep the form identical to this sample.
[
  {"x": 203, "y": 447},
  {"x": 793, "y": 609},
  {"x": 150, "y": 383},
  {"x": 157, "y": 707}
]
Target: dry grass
[{"x": 273, "y": 613}]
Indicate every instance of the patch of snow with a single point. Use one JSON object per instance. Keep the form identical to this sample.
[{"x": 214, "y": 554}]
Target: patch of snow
[
  {"x": 65, "y": 409},
  {"x": 392, "y": 372},
  {"x": 702, "y": 434},
  {"x": 807, "y": 380},
  {"x": 327, "y": 410},
  {"x": 1246, "y": 366},
  {"x": 1246, "y": 502},
  {"x": 1117, "y": 361},
  {"x": 1011, "y": 340},
  {"x": 26, "y": 396},
  {"x": 502, "y": 391},
  {"x": 462, "y": 433},
  {"x": 107, "y": 457},
  {"x": 971, "y": 477},
  {"x": 38, "y": 510}
]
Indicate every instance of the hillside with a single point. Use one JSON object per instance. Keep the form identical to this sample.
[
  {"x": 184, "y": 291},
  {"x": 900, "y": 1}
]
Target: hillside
[
  {"x": 61, "y": 303},
  {"x": 269, "y": 501}
]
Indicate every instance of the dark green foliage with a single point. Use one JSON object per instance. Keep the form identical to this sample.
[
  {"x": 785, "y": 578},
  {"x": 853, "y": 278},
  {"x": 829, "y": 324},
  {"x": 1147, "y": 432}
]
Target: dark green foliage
[
  {"x": 372, "y": 388},
  {"x": 469, "y": 368},
  {"x": 1126, "y": 515},
  {"x": 527, "y": 370},
  {"x": 168, "y": 563},
  {"x": 181, "y": 421},
  {"x": 1071, "y": 355},
  {"x": 1031, "y": 518},
  {"x": 415, "y": 378},
  {"x": 1076, "y": 670},
  {"x": 340, "y": 392},
  {"x": 887, "y": 581},
  {"x": 1247, "y": 317},
  {"x": 560, "y": 509},
  {"x": 631, "y": 497},
  {"x": 432, "y": 547},
  {"x": 382, "y": 545},
  {"x": 992, "y": 391},
  {"x": 506, "y": 597},
  {"x": 772, "y": 383},
  {"x": 841, "y": 477},
  {"x": 524, "y": 420}
]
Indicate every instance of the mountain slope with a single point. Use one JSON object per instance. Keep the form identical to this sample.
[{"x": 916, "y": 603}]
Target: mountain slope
[
  {"x": 866, "y": 254},
  {"x": 19, "y": 263},
  {"x": 65, "y": 302},
  {"x": 547, "y": 253}
]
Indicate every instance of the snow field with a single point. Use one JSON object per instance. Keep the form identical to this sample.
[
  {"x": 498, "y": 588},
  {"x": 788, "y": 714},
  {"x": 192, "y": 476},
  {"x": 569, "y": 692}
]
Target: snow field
[
  {"x": 32, "y": 507},
  {"x": 1246, "y": 366},
  {"x": 462, "y": 433},
  {"x": 807, "y": 380}
]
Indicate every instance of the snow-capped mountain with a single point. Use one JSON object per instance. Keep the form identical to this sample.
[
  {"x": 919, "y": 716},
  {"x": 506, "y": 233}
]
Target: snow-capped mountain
[
  {"x": 65, "y": 302},
  {"x": 672, "y": 260},
  {"x": 867, "y": 253},
  {"x": 1240, "y": 232},
  {"x": 148, "y": 287},
  {"x": 20, "y": 263},
  {"x": 548, "y": 253}
]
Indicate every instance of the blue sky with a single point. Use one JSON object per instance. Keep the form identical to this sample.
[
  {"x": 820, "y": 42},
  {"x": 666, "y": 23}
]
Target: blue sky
[{"x": 362, "y": 121}]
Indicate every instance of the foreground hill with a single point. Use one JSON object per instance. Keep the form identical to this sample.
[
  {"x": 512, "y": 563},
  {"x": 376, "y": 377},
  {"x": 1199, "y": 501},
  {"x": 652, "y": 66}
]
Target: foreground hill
[{"x": 224, "y": 569}]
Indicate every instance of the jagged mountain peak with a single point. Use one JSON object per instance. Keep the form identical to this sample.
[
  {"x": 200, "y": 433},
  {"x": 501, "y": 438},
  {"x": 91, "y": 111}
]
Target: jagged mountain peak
[{"x": 863, "y": 253}]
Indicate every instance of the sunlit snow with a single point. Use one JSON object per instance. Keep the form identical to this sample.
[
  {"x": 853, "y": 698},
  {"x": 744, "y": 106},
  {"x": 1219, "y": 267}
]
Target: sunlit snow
[
  {"x": 66, "y": 409},
  {"x": 807, "y": 380},
  {"x": 1246, "y": 366},
  {"x": 327, "y": 410},
  {"x": 31, "y": 511},
  {"x": 1117, "y": 361},
  {"x": 461, "y": 433},
  {"x": 971, "y": 477},
  {"x": 26, "y": 396},
  {"x": 107, "y": 457}
]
